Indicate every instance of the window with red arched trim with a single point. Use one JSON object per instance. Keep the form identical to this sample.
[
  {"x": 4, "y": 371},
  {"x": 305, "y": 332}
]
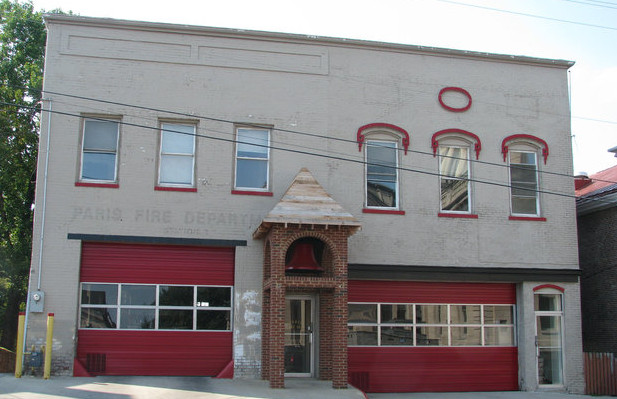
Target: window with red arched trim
[{"x": 524, "y": 198}]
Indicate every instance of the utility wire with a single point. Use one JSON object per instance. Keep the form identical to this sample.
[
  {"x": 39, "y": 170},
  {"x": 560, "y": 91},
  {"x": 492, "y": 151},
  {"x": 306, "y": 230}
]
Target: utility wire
[
  {"x": 603, "y": 4},
  {"x": 528, "y": 15},
  {"x": 305, "y": 153},
  {"x": 325, "y": 137}
]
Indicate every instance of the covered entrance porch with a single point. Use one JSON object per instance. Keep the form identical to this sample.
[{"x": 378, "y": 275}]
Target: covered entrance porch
[{"x": 304, "y": 318}]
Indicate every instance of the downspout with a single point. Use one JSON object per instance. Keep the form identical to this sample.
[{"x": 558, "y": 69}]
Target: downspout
[{"x": 43, "y": 206}]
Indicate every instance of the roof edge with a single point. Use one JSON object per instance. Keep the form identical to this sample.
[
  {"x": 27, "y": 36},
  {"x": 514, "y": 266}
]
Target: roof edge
[{"x": 300, "y": 38}]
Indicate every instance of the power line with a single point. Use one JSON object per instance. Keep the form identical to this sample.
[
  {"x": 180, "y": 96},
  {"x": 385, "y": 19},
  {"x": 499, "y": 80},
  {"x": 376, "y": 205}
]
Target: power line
[
  {"x": 325, "y": 137},
  {"x": 405, "y": 169},
  {"x": 603, "y": 4},
  {"x": 528, "y": 15}
]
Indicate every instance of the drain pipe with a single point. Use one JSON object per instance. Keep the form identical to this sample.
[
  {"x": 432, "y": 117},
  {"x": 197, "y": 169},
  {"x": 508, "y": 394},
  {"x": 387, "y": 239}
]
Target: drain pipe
[{"x": 43, "y": 206}]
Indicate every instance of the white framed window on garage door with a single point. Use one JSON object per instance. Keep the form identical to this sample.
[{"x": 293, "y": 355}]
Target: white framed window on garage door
[{"x": 155, "y": 307}]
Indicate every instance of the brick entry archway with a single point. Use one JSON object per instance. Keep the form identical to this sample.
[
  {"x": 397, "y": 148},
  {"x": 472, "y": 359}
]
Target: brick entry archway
[{"x": 320, "y": 217}]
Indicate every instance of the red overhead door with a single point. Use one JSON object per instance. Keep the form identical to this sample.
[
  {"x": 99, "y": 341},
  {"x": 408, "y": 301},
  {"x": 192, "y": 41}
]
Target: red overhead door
[
  {"x": 176, "y": 340},
  {"x": 415, "y": 366}
]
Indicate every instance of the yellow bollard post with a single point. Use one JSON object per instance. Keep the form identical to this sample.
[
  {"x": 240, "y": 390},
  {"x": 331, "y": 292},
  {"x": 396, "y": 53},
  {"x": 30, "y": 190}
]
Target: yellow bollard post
[
  {"x": 48, "y": 344},
  {"x": 19, "y": 353}
]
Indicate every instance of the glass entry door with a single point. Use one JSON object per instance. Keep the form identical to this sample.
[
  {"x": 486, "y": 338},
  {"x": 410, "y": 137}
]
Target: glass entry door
[
  {"x": 299, "y": 348},
  {"x": 549, "y": 313}
]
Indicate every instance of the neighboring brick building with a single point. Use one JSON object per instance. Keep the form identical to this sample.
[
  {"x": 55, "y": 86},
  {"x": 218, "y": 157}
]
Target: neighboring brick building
[
  {"x": 597, "y": 239},
  {"x": 222, "y": 202}
]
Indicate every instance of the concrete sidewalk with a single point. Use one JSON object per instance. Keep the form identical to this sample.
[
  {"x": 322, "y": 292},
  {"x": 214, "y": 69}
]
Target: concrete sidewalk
[
  {"x": 211, "y": 388},
  {"x": 105, "y": 387}
]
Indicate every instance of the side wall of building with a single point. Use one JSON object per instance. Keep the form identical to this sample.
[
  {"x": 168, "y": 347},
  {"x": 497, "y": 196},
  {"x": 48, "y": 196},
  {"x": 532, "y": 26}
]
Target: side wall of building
[{"x": 598, "y": 258}]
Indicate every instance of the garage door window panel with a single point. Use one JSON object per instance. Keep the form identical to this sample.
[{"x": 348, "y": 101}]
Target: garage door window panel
[
  {"x": 430, "y": 325},
  {"x": 162, "y": 307}
]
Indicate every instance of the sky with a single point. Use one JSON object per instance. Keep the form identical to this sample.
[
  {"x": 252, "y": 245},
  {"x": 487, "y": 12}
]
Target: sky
[{"x": 584, "y": 31}]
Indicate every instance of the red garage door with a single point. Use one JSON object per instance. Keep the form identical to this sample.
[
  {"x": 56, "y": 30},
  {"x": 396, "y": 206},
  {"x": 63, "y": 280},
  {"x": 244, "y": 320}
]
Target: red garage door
[
  {"x": 155, "y": 309},
  {"x": 432, "y": 337}
]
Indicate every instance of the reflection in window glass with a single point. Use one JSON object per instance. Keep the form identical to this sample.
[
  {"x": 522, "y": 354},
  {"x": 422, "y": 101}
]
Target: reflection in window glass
[
  {"x": 98, "y": 318},
  {"x": 498, "y": 314},
  {"x": 381, "y": 174},
  {"x": 397, "y": 313},
  {"x": 171, "y": 319},
  {"x": 99, "y": 294},
  {"x": 177, "y": 154},
  {"x": 252, "y": 157},
  {"x": 362, "y": 313},
  {"x": 499, "y": 336},
  {"x": 138, "y": 295},
  {"x": 466, "y": 336},
  {"x": 170, "y": 295},
  {"x": 547, "y": 302},
  {"x": 465, "y": 314},
  {"x": 213, "y": 297},
  {"x": 432, "y": 336},
  {"x": 362, "y": 335},
  {"x": 454, "y": 171},
  {"x": 213, "y": 320},
  {"x": 397, "y": 335},
  {"x": 524, "y": 183},
  {"x": 132, "y": 318},
  {"x": 99, "y": 150},
  {"x": 432, "y": 314}
]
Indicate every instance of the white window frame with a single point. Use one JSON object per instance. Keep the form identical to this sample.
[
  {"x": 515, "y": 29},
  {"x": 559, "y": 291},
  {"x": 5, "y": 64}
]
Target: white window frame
[
  {"x": 391, "y": 144},
  {"x": 447, "y": 324},
  {"x": 442, "y": 176},
  {"x": 84, "y": 150},
  {"x": 537, "y": 174},
  {"x": 195, "y": 308},
  {"x": 266, "y": 159},
  {"x": 162, "y": 154},
  {"x": 561, "y": 315}
]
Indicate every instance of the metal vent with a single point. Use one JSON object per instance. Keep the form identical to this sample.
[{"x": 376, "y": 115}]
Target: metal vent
[{"x": 96, "y": 362}]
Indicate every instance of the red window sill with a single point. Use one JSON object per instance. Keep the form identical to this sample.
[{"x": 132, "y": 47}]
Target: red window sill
[
  {"x": 183, "y": 189},
  {"x": 258, "y": 193},
  {"x": 102, "y": 185},
  {"x": 383, "y": 211},
  {"x": 529, "y": 218},
  {"x": 457, "y": 215}
]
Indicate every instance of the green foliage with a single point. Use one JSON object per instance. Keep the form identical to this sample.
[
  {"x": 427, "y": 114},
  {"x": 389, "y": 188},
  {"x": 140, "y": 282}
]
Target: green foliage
[{"x": 22, "y": 49}]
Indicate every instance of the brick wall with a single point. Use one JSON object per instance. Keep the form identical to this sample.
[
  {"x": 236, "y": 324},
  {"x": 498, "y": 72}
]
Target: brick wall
[{"x": 598, "y": 260}]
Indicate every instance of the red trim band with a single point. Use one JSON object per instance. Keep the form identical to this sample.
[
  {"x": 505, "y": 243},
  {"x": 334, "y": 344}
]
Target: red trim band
[
  {"x": 435, "y": 142},
  {"x": 553, "y": 286},
  {"x": 184, "y": 189},
  {"x": 50, "y": 314},
  {"x": 530, "y": 218},
  {"x": 102, "y": 185},
  {"x": 458, "y": 90},
  {"x": 523, "y": 137},
  {"x": 383, "y": 211},
  {"x": 361, "y": 138},
  {"x": 259, "y": 193},
  {"x": 457, "y": 215}
]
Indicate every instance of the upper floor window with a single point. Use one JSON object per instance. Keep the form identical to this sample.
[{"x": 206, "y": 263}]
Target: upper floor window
[
  {"x": 524, "y": 198},
  {"x": 252, "y": 159},
  {"x": 454, "y": 179},
  {"x": 99, "y": 160},
  {"x": 177, "y": 157},
  {"x": 382, "y": 174}
]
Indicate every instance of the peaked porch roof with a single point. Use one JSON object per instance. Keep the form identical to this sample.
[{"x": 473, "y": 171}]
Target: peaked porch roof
[{"x": 307, "y": 203}]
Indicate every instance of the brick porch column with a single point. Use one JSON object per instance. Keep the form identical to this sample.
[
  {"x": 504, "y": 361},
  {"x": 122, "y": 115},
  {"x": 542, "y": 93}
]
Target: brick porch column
[{"x": 277, "y": 336}]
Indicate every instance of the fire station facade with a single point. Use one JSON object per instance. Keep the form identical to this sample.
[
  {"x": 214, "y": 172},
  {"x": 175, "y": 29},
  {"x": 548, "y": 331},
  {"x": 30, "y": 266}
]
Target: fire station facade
[{"x": 259, "y": 205}]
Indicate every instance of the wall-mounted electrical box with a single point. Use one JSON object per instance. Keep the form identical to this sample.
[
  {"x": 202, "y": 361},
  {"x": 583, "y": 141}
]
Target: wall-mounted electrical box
[{"x": 37, "y": 301}]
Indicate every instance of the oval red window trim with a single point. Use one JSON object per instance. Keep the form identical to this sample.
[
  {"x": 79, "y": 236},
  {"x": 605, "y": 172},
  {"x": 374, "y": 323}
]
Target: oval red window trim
[{"x": 458, "y": 90}]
